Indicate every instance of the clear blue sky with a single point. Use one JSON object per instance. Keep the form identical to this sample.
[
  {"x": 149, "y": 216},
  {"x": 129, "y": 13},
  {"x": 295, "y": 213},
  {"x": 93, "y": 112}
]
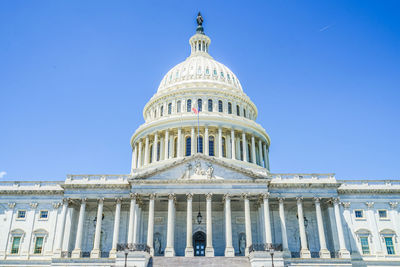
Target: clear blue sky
[{"x": 75, "y": 76}]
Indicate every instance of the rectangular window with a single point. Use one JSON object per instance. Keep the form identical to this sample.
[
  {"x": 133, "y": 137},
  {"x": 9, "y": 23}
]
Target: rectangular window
[
  {"x": 178, "y": 107},
  {"x": 169, "y": 108},
  {"x": 229, "y": 108},
  {"x": 21, "y": 214},
  {"x": 359, "y": 214},
  {"x": 43, "y": 214},
  {"x": 38, "y": 245},
  {"x": 210, "y": 105},
  {"x": 364, "y": 245},
  {"x": 382, "y": 214},
  {"x": 15, "y": 245},
  {"x": 220, "y": 106},
  {"x": 237, "y": 110},
  {"x": 389, "y": 245}
]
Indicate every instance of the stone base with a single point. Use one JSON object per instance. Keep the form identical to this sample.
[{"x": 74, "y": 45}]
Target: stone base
[
  {"x": 189, "y": 252},
  {"x": 230, "y": 252},
  {"x": 95, "y": 254},
  {"x": 113, "y": 253},
  {"x": 135, "y": 258},
  {"x": 286, "y": 253},
  {"x": 57, "y": 253},
  {"x": 209, "y": 252},
  {"x": 76, "y": 253},
  {"x": 305, "y": 254},
  {"x": 169, "y": 252},
  {"x": 263, "y": 258},
  {"x": 344, "y": 254},
  {"x": 324, "y": 254}
]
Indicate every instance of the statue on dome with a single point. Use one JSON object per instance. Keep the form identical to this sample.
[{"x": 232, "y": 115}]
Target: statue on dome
[{"x": 200, "y": 20}]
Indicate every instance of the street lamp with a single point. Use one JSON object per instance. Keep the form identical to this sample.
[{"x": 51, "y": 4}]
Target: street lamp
[
  {"x": 199, "y": 217},
  {"x": 126, "y": 250}
]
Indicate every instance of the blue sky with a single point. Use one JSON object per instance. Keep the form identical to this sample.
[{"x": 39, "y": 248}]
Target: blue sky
[{"x": 75, "y": 76}]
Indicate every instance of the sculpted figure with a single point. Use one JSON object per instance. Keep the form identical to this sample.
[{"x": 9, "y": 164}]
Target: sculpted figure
[
  {"x": 197, "y": 168},
  {"x": 157, "y": 246},
  {"x": 210, "y": 171},
  {"x": 242, "y": 244}
]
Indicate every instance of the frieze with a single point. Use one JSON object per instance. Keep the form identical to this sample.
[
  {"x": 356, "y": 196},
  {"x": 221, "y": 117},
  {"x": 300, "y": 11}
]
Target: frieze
[{"x": 197, "y": 172}]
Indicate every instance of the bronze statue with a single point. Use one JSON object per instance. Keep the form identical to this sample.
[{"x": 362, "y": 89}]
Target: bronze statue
[{"x": 199, "y": 19}]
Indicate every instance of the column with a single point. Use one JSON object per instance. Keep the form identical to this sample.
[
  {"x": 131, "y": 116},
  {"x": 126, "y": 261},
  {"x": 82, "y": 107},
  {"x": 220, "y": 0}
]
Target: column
[
  {"x": 244, "y": 146},
  {"x": 136, "y": 223},
  {"x": 189, "y": 230},
  {"x": 229, "y": 250},
  {"x": 343, "y": 252},
  {"x": 146, "y": 151},
  {"x": 60, "y": 232},
  {"x": 267, "y": 220},
  {"x": 249, "y": 239},
  {"x": 150, "y": 227},
  {"x": 304, "y": 252},
  {"x": 206, "y": 141},
  {"x": 179, "y": 148},
  {"x": 139, "y": 164},
  {"x": 131, "y": 218},
  {"x": 169, "y": 250},
  {"x": 253, "y": 149},
  {"x": 260, "y": 152},
  {"x": 228, "y": 146},
  {"x": 96, "y": 253},
  {"x": 155, "y": 145},
  {"x": 166, "y": 147},
  {"x": 285, "y": 246},
  {"x": 113, "y": 251},
  {"x": 233, "y": 143},
  {"x": 134, "y": 158},
  {"x": 266, "y": 160},
  {"x": 171, "y": 146},
  {"x": 324, "y": 252},
  {"x": 192, "y": 142},
  {"x": 220, "y": 142},
  {"x": 209, "y": 245},
  {"x": 76, "y": 253}
]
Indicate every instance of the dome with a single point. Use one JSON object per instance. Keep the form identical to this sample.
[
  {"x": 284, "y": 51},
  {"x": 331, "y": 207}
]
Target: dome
[{"x": 199, "y": 67}]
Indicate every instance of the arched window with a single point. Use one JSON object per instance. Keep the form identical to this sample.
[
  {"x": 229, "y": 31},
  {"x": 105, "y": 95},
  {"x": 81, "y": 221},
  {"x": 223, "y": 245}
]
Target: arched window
[
  {"x": 158, "y": 151},
  {"x": 237, "y": 110},
  {"x": 210, "y": 105},
  {"x": 229, "y": 108},
  {"x": 241, "y": 150},
  {"x": 199, "y": 105},
  {"x": 188, "y": 146},
  {"x": 162, "y": 111},
  {"x": 189, "y": 105},
  {"x": 38, "y": 240},
  {"x": 151, "y": 153},
  {"x": 244, "y": 113},
  {"x": 17, "y": 237},
  {"x": 169, "y": 108},
  {"x": 200, "y": 145},
  {"x": 220, "y": 106},
  {"x": 249, "y": 153},
  {"x": 176, "y": 147},
  {"x": 211, "y": 150},
  {"x": 223, "y": 147},
  {"x": 178, "y": 106}
]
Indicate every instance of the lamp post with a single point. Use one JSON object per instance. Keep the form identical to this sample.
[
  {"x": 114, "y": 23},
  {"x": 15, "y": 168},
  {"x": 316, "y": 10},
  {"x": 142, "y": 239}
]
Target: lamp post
[
  {"x": 126, "y": 250},
  {"x": 199, "y": 217}
]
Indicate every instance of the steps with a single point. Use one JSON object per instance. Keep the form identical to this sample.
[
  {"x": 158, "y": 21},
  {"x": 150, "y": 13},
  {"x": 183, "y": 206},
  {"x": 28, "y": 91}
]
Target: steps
[{"x": 199, "y": 262}]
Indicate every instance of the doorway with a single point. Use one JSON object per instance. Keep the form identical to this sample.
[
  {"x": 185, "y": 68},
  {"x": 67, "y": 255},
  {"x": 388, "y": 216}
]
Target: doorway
[{"x": 199, "y": 243}]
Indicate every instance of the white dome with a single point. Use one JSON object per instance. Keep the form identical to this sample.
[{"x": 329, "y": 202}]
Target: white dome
[{"x": 199, "y": 67}]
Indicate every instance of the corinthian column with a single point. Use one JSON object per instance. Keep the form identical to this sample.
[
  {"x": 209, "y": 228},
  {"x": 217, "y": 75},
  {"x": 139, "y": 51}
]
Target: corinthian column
[
  {"x": 146, "y": 151},
  {"x": 249, "y": 239},
  {"x": 76, "y": 253},
  {"x": 209, "y": 246},
  {"x": 192, "y": 142},
  {"x": 253, "y": 149},
  {"x": 220, "y": 154},
  {"x": 166, "y": 147},
  {"x": 155, "y": 147},
  {"x": 113, "y": 251},
  {"x": 169, "y": 250},
  {"x": 343, "y": 252},
  {"x": 60, "y": 232},
  {"x": 304, "y": 252},
  {"x": 267, "y": 221},
  {"x": 150, "y": 228},
  {"x": 179, "y": 148},
  {"x": 260, "y": 152},
  {"x": 206, "y": 141},
  {"x": 95, "y": 253},
  {"x": 134, "y": 158},
  {"x": 189, "y": 239},
  {"x": 131, "y": 218},
  {"x": 285, "y": 246},
  {"x": 244, "y": 146},
  {"x": 139, "y": 164},
  {"x": 324, "y": 252},
  {"x": 233, "y": 143},
  {"x": 229, "y": 250}
]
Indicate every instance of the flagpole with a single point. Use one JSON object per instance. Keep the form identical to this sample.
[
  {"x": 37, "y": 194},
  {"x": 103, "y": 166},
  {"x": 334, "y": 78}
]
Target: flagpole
[{"x": 198, "y": 131}]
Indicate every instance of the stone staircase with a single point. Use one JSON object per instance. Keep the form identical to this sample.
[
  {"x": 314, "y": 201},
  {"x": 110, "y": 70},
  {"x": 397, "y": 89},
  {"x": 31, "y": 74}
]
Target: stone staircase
[{"x": 199, "y": 262}]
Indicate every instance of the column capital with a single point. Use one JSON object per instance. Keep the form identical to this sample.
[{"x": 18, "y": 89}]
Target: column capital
[
  {"x": 265, "y": 195},
  {"x": 281, "y": 199},
  {"x": 317, "y": 200},
  {"x": 370, "y": 204},
  {"x": 336, "y": 200},
  {"x": 393, "y": 205},
  {"x": 171, "y": 197},
  {"x": 101, "y": 200},
  {"x": 226, "y": 196},
  {"x": 134, "y": 196},
  {"x": 33, "y": 205},
  {"x": 152, "y": 196},
  {"x": 56, "y": 205},
  {"x": 189, "y": 196},
  {"x": 209, "y": 196},
  {"x": 118, "y": 200},
  {"x": 11, "y": 205},
  {"x": 245, "y": 196},
  {"x": 299, "y": 200},
  {"x": 346, "y": 205}
]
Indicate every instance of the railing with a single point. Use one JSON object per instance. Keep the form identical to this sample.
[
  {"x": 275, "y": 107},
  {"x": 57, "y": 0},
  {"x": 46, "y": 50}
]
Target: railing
[
  {"x": 314, "y": 254},
  {"x": 129, "y": 247},
  {"x": 85, "y": 254},
  {"x": 370, "y": 182},
  {"x": 97, "y": 177},
  {"x": 65, "y": 254},
  {"x": 265, "y": 247}
]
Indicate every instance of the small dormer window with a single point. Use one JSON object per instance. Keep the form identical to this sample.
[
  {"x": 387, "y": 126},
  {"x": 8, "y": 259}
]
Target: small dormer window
[
  {"x": 21, "y": 214},
  {"x": 222, "y": 74},
  {"x": 215, "y": 72},
  {"x": 359, "y": 214},
  {"x": 382, "y": 214},
  {"x": 43, "y": 214}
]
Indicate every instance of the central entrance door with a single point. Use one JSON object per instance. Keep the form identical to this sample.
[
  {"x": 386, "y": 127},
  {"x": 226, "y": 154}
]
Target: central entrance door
[{"x": 199, "y": 243}]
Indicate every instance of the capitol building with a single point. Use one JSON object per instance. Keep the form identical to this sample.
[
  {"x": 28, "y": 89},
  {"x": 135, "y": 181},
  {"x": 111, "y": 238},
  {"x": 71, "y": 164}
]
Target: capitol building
[{"x": 200, "y": 193}]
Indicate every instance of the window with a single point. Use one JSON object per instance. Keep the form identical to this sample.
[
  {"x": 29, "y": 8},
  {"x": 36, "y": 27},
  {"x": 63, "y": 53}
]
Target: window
[
  {"x": 43, "y": 214},
  {"x": 229, "y": 108},
  {"x": 155, "y": 114},
  {"x": 389, "y": 245},
  {"x": 189, "y": 105},
  {"x": 215, "y": 72},
  {"x": 237, "y": 110},
  {"x": 169, "y": 108},
  {"x": 38, "y": 245},
  {"x": 151, "y": 153},
  {"x": 162, "y": 111},
  {"x": 359, "y": 214},
  {"x": 222, "y": 74},
  {"x": 199, "y": 105},
  {"x": 241, "y": 150},
  {"x": 178, "y": 106},
  {"x": 223, "y": 147},
  {"x": 382, "y": 214},
  {"x": 249, "y": 153},
  {"x": 200, "y": 145},
  {"x": 158, "y": 151},
  {"x": 220, "y": 106},
  {"x": 21, "y": 214},
  {"x": 244, "y": 113},
  {"x": 207, "y": 71},
  {"x": 177, "y": 74},
  {"x": 188, "y": 146},
  {"x": 229, "y": 77},
  {"x": 364, "y": 245},
  {"x": 211, "y": 146},
  {"x": 175, "y": 147},
  {"x": 15, "y": 244},
  {"x": 210, "y": 105}
]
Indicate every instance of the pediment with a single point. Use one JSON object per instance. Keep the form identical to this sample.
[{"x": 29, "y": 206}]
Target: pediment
[{"x": 200, "y": 168}]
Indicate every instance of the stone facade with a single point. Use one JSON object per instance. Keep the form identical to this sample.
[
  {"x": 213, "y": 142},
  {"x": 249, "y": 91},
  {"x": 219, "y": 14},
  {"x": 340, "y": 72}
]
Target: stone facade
[{"x": 200, "y": 185}]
